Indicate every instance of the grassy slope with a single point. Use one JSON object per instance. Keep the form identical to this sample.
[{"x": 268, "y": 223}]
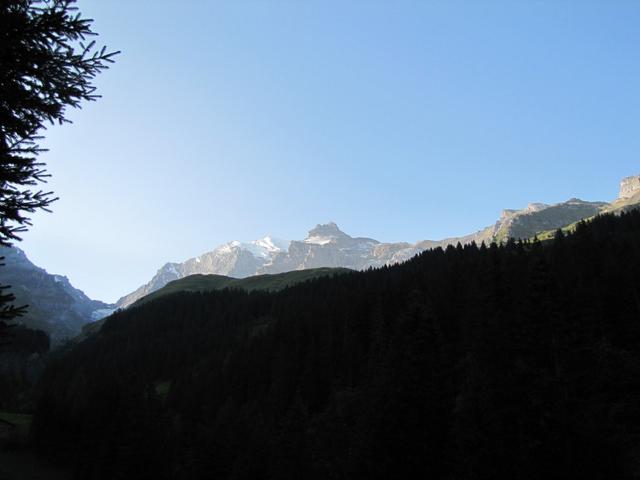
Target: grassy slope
[
  {"x": 205, "y": 283},
  {"x": 616, "y": 206},
  {"x": 549, "y": 219}
]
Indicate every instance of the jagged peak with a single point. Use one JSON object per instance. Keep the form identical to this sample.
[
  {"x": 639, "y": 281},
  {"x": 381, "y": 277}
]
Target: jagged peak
[
  {"x": 575, "y": 200},
  {"x": 169, "y": 267},
  {"x": 324, "y": 233},
  {"x": 272, "y": 244},
  {"x": 531, "y": 208},
  {"x": 535, "y": 207},
  {"x": 322, "y": 228},
  {"x": 508, "y": 213}
]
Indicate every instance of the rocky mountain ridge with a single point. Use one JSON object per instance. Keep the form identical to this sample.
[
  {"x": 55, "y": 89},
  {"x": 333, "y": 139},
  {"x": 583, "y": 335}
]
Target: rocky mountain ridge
[
  {"x": 55, "y": 306},
  {"x": 328, "y": 246}
]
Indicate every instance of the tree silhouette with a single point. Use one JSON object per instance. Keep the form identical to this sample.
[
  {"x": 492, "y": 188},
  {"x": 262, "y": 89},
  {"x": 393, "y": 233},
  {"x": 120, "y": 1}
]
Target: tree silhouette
[{"x": 47, "y": 63}]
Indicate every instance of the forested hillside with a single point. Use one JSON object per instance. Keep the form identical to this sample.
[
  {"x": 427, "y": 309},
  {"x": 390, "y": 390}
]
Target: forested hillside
[
  {"x": 22, "y": 358},
  {"x": 519, "y": 361}
]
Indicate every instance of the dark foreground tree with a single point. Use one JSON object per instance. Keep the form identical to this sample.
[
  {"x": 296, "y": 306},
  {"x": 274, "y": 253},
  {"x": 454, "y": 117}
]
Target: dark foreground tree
[
  {"x": 8, "y": 311},
  {"x": 48, "y": 61}
]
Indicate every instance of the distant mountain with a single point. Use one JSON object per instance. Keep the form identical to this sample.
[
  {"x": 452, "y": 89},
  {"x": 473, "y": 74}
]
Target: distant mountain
[
  {"x": 328, "y": 246},
  {"x": 325, "y": 246},
  {"x": 234, "y": 259},
  {"x": 528, "y": 222},
  {"x": 55, "y": 306}
]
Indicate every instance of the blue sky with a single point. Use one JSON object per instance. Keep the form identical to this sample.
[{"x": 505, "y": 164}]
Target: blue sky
[{"x": 400, "y": 120}]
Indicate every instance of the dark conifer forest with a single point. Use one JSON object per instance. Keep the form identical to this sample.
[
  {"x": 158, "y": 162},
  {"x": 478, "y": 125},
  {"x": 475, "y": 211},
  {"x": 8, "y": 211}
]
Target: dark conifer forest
[
  {"x": 22, "y": 353},
  {"x": 512, "y": 361}
]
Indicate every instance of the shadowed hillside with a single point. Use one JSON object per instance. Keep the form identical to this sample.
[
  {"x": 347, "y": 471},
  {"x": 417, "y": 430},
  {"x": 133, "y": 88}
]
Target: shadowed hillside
[
  {"x": 206, "y": 283},
  {"x": 519, "y": 361}
]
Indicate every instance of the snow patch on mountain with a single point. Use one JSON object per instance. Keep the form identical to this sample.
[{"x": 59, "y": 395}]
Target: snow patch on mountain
[
  {"x": 265, "y": 247},
  {"x": 272, "y": 244},
  {"x": 319, "y": 240}
]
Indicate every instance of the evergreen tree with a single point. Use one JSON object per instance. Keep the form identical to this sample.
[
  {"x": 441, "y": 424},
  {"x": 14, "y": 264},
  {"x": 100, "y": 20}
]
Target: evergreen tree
[{"x": 48, "y": 62}]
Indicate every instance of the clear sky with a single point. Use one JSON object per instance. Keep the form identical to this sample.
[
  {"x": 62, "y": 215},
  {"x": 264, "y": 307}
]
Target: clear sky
[{"x": 399, "y": 120}]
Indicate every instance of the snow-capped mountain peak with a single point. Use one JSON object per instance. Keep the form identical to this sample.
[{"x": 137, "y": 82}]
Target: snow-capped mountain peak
[
  {"x": 271, "y": 245},
  {"x": 262, "y": 248}
]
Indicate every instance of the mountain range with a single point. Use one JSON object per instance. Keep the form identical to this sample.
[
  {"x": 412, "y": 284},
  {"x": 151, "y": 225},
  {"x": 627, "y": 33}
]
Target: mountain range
[
  {"x": 62, "y": 310},
  {"x": 328, "y": 246}
]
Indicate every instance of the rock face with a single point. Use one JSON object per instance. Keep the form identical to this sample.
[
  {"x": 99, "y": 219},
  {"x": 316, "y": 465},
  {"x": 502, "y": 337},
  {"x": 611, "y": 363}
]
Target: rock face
[
  {"x": 325, "y": 246},
  {"x": 55, "y": 306},
  {"x": 629, "y": 186}
]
